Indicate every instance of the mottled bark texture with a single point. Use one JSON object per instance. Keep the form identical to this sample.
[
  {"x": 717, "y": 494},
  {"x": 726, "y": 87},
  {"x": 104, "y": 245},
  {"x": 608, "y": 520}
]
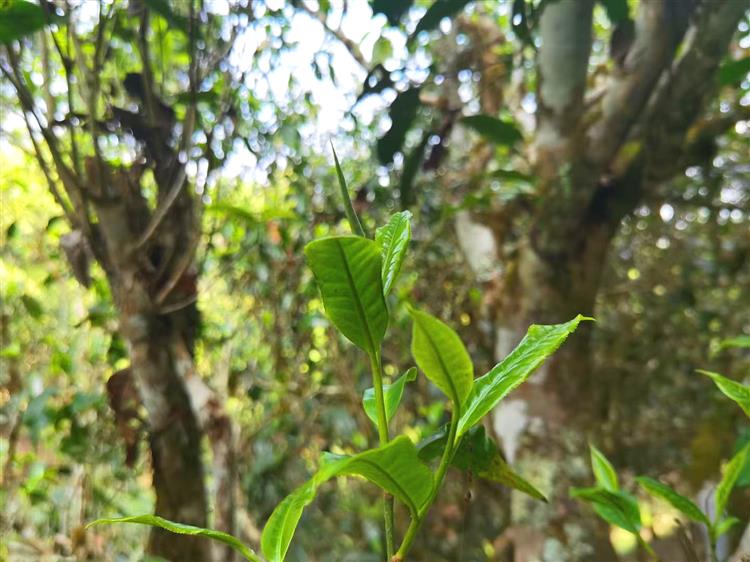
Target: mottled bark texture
[
  {"x": 595, "y": 157},
  {"x": 147, "y": 252},
  {"x": 158, "y": 326}
]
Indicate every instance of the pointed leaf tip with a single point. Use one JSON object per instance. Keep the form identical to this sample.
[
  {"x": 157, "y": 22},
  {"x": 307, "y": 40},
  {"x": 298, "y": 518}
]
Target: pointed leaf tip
[
  {"x": 540, "y": 342},
  {"x": 734, "y": 390},
  {"x": 684, "y": 505},
  {"x": 351, "y": 214},
  {"x": 182, "y": 529},
  {"x": 604, "y": 472}
]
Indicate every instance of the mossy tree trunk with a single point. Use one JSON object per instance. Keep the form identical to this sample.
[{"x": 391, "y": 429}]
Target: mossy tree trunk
[{"x": 595, "y": 157}]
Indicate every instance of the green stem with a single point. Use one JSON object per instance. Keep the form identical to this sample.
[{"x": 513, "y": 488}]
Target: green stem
[
  {"x": 648, "y": 549},
  {"x": 445, "y": 461},
  {"x": 377, "y": 382},
  {"x": 388, "y": 517}
]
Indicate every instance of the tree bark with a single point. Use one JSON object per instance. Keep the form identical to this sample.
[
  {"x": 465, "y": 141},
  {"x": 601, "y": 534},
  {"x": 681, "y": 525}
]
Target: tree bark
[
  {"x": 157, "y": 343},
  {"x": 544, "y": 426},
  {"x": 548, "y": 267},
  {"x": 174, "y": 437}
]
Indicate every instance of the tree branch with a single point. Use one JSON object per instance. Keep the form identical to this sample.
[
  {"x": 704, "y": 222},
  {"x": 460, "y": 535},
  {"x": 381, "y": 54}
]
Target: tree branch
[
  {"x": 336, "y": 32},
  {"x": 658, "y": 32},
  {"x": 78, "y": 214},
  {"x": 565, "y": 29},
  {"x": 692, "y": 80}
]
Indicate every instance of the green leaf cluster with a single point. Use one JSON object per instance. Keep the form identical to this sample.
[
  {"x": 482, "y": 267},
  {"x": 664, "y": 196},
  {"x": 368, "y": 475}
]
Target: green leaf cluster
[
  {"x": 621, "y": 509},
  {"x": 19, "y": 18},
  {"x": 355, "y": 276}
]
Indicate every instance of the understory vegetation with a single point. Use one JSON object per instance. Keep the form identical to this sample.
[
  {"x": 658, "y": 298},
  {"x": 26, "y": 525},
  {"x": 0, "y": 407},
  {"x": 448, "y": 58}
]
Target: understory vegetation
[{"x": 374, "y": 281}]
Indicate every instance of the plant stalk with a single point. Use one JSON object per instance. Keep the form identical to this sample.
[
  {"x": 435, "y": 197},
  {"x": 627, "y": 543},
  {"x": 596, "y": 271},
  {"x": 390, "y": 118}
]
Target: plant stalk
[
  {"x": 376, "y": 365},
  {"x": 445, "y": 461},
  {"x": 648, "y": 549}
]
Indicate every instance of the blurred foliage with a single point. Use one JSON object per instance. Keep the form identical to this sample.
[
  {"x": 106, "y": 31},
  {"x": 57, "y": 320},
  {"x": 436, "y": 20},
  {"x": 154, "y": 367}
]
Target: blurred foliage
[{"x": 675, "y": 288}]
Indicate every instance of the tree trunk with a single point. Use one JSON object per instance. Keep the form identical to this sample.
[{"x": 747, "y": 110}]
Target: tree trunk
[
  {"x": 546, "y": 424},
  {"x": 546, "y": 267},
  {"x": 160, "y": 347},
  {"x": 174, "y": 437}
]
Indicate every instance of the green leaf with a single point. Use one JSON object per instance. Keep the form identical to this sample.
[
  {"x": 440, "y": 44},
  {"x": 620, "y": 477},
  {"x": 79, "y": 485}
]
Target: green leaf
[
  {"x": 725, "y": 525},
  {"x": 394, "y": 240},
  {"x": 616, "y": 508},
  {"x": 617, "y": 10},
  {"x": 381, "y": 51},
  {"x": 394, "y": 467},
  {"x": 479, "y": 454},
  {"x": 441, "y": 355},
  {"x": 512, "y": 176},
  {"x": 174, "y": 20},
  {"x": 211, "y": 97},
  {"x": 18, "y": 19},
  {"x": 743, "y": 480},
  {"x": 348, "y": 271},
  {"x": 742, "y": 341},
  {"x": 734, "y": 72},
  {"x": 684, "y": 505},
  {"x": 728, "y": 479},
  {"x": 280, "y": 528},
  {"x": 493, "y": 129},
  {"x": 351, "y": 214},
  {"x": 604, "y": 472},
  {"x": 540, "y": 342},
  {"x": 501, "y": 472},
  {"x": 734, "y": 390},
  {"x": 392, "y": 394},
  {"x": 393, "y": 10},
  {"x": 402, "y": 112},
  {"x": 250, "y": 217},
  {"x": 32, "y": 306},
  {"x": 181, "y": 529},
  {"x": 440, "y": 9}
]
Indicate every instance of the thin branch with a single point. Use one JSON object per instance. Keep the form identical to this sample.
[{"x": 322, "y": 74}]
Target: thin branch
[
  {"x": 67, "y": 211},
  {"x": 337, "y": 33},
  {"x": 24, "y": 97},
  {"x": 170, "y": 308},
  {"x": 657, "y": 37},
  {"x": 65, "y": 60},
  {"x": 146, "y": 72},
  {"x": 148, "y": 80},
  {"x": 188, "y": 125},
  {"x": 692, "y": 81},
  {"x": 163, "y": 209},
  {"x": 94, "y": 90},
  {"x": 180, "y": 268}
]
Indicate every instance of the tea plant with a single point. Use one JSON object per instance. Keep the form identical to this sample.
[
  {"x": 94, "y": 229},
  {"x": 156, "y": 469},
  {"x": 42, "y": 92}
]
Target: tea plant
[
  {"x": 355, "y": 275},
  {"x": 621, "y": 509}
]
